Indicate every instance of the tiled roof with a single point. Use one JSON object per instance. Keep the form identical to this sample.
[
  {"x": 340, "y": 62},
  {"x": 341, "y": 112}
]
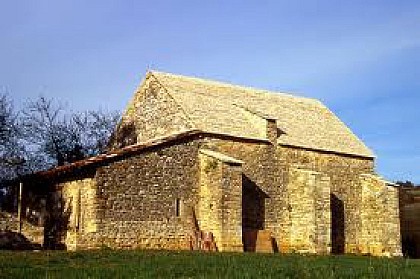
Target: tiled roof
[{"x": 234, "y": 110}]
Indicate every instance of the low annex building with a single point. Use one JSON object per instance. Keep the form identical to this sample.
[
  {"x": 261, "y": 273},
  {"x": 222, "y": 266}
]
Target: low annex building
[{"x": 196, "y": 161}]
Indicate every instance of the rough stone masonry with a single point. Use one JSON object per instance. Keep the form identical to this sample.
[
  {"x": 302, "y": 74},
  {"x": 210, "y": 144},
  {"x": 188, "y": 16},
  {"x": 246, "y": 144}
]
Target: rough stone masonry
[{"x": 249, "y": 169}]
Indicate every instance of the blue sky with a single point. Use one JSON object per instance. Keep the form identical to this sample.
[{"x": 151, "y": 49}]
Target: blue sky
[{"x": 361, "y": 58}]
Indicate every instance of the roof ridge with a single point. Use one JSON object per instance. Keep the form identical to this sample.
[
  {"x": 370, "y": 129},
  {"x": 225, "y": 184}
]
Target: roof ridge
[
  {"x": 191, "y": 122},
  {"x": 244, "y": 87}
]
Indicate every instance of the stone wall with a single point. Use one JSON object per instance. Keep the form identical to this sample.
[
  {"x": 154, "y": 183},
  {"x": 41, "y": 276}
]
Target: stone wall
[
  {"x": 346, "y": 174},
  {"x": 309, "y": 211},
  {"x": 262, "y": 174},
  {"x": 152, "y": 113},
  {"x": 379, "y": 213},
  {"x": 143, "y": 188},
  {"x": 32, "y": 214},
  {"x": 268, "y": 168},
  {"x": 80, "y": 212},
  {"x": 137, "y": 198},
  {"x": 220, "y": 202},
  {"x": 33, "y": 233},
  {"x": 8, "y": 222}
]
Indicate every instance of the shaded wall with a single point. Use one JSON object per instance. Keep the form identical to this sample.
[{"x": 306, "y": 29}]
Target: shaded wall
[
  {"x": 253, "y": 205},
  {"x": 410, "y": 221},
  {"x": 33, "y": 212}
]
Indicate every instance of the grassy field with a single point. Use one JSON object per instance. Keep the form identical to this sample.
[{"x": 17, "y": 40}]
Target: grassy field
[{"x": 163, "y": 264}]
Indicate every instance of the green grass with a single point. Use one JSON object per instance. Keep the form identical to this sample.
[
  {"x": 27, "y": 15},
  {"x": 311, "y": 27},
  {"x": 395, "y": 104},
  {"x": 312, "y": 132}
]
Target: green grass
[{"x": 164, "y": 264}]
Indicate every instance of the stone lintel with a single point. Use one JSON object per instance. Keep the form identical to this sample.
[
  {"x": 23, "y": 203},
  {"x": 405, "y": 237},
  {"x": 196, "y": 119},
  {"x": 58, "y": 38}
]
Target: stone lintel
[{"x": 222, "y": 157}]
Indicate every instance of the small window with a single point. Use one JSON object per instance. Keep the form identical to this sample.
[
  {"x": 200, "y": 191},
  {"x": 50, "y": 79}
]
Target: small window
[{"x": 178, "y": 207}]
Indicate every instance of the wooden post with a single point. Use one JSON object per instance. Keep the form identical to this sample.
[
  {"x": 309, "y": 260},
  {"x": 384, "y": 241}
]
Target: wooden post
[
  {"x": 20, "y": 207},
  {"x": 78, "y": 210}
]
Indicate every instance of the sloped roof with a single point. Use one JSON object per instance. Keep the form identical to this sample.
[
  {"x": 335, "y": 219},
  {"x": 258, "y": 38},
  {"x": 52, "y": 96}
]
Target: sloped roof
[{"x": 233, "y": 110}]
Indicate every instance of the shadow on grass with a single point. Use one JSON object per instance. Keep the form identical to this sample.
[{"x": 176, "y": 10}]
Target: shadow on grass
[{"x": 16, "y": 241}]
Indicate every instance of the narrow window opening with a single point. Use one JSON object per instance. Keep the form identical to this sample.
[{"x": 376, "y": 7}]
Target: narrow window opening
[{"x": 177, "y": 207}]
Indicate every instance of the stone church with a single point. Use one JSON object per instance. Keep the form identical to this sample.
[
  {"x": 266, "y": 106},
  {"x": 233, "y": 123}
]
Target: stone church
[{"x": 195, "y": 162}]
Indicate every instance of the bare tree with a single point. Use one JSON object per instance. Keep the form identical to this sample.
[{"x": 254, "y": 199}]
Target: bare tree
[
  {"x": 43, "y": 135},
  {"x": 46, "y": 131},
  {"x": 56, "y": 138},
  {"x": 95, "y": 129},
  {"x": 11, "y": 151}
]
